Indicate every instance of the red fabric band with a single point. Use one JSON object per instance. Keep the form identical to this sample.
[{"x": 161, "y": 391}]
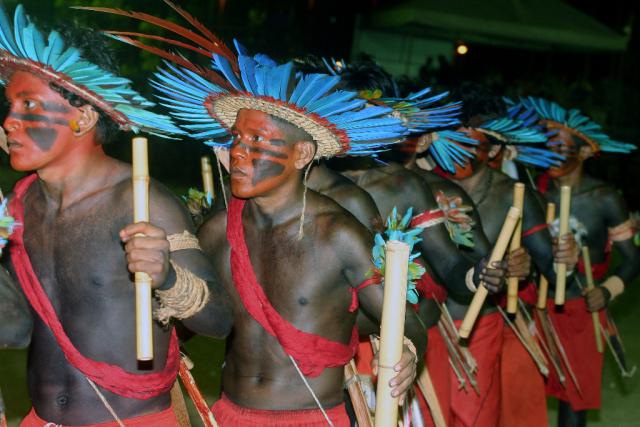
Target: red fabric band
[
  {"x": 376, "y": 279},
  {"x": 312, "y": 352},
  {"x": 110, "y": 377},
  {"x": 534, "y": 230}
]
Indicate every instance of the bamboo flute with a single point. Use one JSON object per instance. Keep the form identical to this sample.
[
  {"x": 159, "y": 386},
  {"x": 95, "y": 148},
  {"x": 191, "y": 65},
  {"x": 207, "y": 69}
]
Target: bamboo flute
[
  {"x": 429, "y": 392},
  {"x": 496, "y": 255},
  {"x": 391, "y": 330},
  {"x": 144, "y": 332},
  {"x": 194, "y": 392},
  {"x": 543, "y": 289},
  {"x": 512, "y": 282},
  {"x": 207, "y": 178},
  {"x": 358, "y": 400},
  {"x": 561, "y": 269},
  {"x": 595, "y": 316}
]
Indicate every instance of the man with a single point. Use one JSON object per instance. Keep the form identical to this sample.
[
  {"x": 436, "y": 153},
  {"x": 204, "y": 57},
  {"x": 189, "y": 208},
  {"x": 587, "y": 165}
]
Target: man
[
  {"x": 599, "y": 212},
  {"x": 76, "y": 249},
  {"x": 492, "y": 193}
]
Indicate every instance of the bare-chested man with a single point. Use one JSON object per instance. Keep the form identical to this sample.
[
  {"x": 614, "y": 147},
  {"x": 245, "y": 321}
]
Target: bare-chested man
[
  {"x": 76, "y": 249},
  {"x": 601, "y": 215},
  {"x": 492, "y": 193}
]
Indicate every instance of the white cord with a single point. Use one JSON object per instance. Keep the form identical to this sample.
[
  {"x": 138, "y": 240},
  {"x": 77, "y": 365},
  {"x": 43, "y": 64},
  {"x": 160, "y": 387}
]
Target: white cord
[
  {"x": 106, "y": 404},
  {"x": 304, "y": 379}
]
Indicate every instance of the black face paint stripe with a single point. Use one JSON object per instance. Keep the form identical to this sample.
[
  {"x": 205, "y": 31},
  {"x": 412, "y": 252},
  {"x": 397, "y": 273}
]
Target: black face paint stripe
[
  {"x": 43, "y": 137},
  {"x": 263, "y": 169},
  {"x": 278, "y": 142},
  {"x": 265, "y": 151},
  {"x": 39, "y": 118},
  {"x": 55, "y": 107}
]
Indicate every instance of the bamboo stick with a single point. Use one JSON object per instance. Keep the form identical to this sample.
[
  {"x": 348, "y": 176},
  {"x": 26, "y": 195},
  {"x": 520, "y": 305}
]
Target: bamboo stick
[
  {"x": 586, "y": 257},
  {"x": 429, "y": 392},
  {"x": 561, "y": 269},
  {"x": 207, "y": 178},
  {"x": 144, "y": 332},
  {"x": 358, "y": 400},
  {"x": 512, "y": 282},
  {"x": 496, "y": 255},
  {"x": 391, "y": 330},
  {"x": 543, "y": 289}
]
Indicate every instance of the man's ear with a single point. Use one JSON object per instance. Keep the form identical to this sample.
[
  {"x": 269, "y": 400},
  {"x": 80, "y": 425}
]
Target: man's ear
[
  {"x": 424, "y": 142},
  {"x": 585, "y": 152},
  {"x": 304, "y": 152},
  {"x": 494, "y": 150},
  {"x": 87, "y": 121}
]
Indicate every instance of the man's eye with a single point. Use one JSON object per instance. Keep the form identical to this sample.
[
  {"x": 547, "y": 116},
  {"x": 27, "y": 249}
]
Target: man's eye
[
  {"x": 29, "y": 104},
  {"x": 257, "y": 138}
]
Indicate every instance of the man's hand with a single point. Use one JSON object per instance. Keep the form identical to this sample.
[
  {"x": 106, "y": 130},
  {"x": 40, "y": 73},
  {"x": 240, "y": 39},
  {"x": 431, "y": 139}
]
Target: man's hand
[
  {"x": 597, "y": 298},
  {"x": 148, "y": 253},
  {"x": 491, "y": 276},
  {"x": 406, "y": 369},
  {"x": 518, "y": 263},
  {"x": 566, "y": 251}
]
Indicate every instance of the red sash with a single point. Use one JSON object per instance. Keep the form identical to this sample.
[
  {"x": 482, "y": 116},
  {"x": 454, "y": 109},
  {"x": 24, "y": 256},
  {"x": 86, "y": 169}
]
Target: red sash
[
  {"x": 312, "y": 352},
  {"x": 110, "y": 377}
]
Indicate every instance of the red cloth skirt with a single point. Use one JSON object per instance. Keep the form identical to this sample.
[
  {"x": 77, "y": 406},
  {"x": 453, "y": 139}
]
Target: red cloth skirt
[
  {"x": 166, "y": 418},
  {"x": 228, "y": 414},
  {"x": 465, "y": 408},
  {"x": 575, "y": 329},
  {"x": 523, "y": 402}
]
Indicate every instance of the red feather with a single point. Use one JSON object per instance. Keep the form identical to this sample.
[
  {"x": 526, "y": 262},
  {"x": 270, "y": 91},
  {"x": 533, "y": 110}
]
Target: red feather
[
  {"x": 168, "y": 25},
  {"x": 204, "y": 30},
  {"x": 177, "y": 59},
  {"x": 164, "y": 39}
]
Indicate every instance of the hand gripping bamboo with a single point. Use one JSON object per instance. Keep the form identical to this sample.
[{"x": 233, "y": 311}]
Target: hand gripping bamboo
[
  {"x": 512, "y": 282},
  {"x": 543, "y": 289},
  {"x": 144, "y": 332},
  {"x": 586, "y": 257},
  {"x": 561, "y": 269},
  {"x": 207, "y": 177},
  {"x": 391, "y": 330},
  {"x": 496, "y": 255}
]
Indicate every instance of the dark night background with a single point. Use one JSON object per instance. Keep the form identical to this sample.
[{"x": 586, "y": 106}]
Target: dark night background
[{"x": 604, "y": 85}]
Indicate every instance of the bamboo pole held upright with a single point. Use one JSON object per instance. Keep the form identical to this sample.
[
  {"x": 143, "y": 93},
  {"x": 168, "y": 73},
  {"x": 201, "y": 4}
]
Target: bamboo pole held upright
[
  {"x": 512, "y": 282},
  {"x": 586, "y": 257},
  {"x": 207, "y": 178},
  {"x": 561, "y": 269},
  {"x": 391, "y": 330},
  {"x": 144, "y": 332},
  {"x": 496, "y": 255},
  {"x": 543, "y": 289}
]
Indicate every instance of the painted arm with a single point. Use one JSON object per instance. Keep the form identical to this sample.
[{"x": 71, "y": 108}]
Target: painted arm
[{"x": 16, "y": 322}]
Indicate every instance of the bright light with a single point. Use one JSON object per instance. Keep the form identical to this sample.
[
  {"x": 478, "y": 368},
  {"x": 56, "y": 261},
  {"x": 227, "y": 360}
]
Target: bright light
[{"x": 462, "y": 49}]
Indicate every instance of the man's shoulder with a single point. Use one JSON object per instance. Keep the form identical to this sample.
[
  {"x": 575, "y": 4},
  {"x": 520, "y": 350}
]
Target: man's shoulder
[
  {"x": 212, "y": 232},
  {"x": 330, "y": 218}
]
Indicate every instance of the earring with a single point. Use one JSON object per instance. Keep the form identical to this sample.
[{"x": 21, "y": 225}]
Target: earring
[{"x": 73, "y": 124}]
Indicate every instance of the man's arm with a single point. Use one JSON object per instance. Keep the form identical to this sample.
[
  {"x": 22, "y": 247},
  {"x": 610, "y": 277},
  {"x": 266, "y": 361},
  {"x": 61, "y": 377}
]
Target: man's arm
[
  {"x": 150, "y": 254},
  {"x": 354, "y": 245},
  {"x": 15, "y": 317}
]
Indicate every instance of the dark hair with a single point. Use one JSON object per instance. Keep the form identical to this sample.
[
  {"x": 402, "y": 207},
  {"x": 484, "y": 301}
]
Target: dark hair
[
  {"x": 478, "y": 100},
  {"x": 93, "y": 47},
  {"x": 365, "y": 74}
]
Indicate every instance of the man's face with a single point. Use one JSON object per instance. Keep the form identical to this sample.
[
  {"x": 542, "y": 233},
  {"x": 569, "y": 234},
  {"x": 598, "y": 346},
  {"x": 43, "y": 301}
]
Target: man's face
[
  {"x": 261, "y": 157},
  {"x": 482, "y": 155},
  {"x": 37, "y": 125},
  {"x": 569, "y": 149}
]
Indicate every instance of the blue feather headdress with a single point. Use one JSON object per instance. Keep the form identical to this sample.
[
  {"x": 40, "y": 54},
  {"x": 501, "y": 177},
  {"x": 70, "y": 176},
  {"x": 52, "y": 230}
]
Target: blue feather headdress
[
  {"x": 206, "y": 101},
  {"x": 555, "y": 117},
  {"x": 520, "y": 133},
  {"x": 23, "y": 47},
  {"x": 424, "y": 113}
]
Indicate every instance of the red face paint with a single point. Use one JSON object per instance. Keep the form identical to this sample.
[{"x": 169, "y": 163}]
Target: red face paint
[
  {"x": 261, "y": 158},
  {"x": 37, "y": 125},
  {"x": 569, "y": 149}
]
